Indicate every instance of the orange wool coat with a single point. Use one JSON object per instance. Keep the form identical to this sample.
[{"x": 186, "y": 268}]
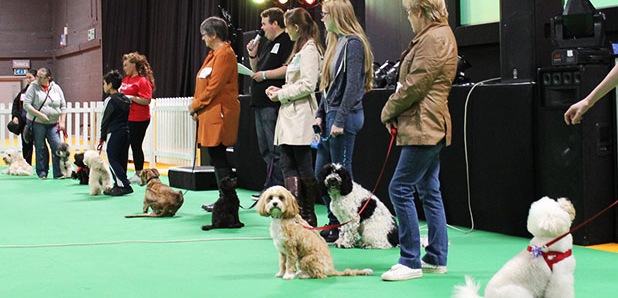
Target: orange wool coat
[{"x": 216, "y": 98}]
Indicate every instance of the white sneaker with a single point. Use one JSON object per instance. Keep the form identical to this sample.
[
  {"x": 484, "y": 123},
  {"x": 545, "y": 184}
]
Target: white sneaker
[
  {"x": 134, "y": 179},
  {"x": 435, "y": 269},
  {"x": 401, "y": 272}
]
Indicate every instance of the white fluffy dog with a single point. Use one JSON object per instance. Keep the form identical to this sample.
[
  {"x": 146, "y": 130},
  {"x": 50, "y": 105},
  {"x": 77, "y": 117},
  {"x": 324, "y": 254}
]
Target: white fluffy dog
[
  {"x": 536, "y": 271},
  {"x": 100, "y": 179},
  {"x": 376, "y": 226},
  {"x": 17, "y": 164},
  {"x": 297, "y": 245}
]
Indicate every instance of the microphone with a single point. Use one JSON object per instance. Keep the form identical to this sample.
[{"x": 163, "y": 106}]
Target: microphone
[{"x": 257, "y": 39}]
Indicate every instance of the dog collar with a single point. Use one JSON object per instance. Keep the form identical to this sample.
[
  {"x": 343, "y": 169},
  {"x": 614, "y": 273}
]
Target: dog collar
[
  {"x": 550, "y": 257},
  {"x": 153, "y": 177}
]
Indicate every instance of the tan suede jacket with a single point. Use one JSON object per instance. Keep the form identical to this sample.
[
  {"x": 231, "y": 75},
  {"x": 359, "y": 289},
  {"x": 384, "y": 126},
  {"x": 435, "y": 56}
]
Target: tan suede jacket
[{"x": 427, "y": 69}]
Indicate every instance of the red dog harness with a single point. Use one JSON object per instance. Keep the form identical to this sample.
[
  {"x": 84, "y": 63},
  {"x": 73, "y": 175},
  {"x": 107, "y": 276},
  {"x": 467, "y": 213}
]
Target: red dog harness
[{"x": 550, "y": 257}]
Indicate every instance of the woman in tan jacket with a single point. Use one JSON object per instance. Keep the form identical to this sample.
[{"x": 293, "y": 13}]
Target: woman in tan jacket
[
  {"x": 293, "y": 132},
  {"x": 419, "y": 112},
  {"x": 215, "y": 103}
]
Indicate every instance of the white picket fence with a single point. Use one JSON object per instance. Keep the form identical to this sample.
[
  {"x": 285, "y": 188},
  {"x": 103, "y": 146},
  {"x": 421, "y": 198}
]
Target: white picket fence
[{"x": 170, "y": 137}]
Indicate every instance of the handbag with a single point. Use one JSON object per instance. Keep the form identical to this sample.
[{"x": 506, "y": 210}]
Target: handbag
[
  {"x": 27, "y": 133},
  {"x": 12, "y": 127}
]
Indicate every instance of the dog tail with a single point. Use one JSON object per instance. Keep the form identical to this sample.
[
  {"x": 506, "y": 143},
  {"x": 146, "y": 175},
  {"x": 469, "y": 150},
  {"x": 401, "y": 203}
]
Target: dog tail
[
  {"x": 469, "y": 290},
  {"x": 141, "y": 215},
  {"x": 352, "y": 272}
]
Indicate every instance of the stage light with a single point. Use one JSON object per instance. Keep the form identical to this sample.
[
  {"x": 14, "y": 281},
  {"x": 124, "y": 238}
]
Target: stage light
[
  {"x": 259, "y": 1},
  {"x": 310, "y": 2},
  {"x": 283, "y": 1}
]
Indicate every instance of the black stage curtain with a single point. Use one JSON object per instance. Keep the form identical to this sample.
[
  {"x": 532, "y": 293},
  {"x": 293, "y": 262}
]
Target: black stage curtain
[{"x": 167, "y": 32}]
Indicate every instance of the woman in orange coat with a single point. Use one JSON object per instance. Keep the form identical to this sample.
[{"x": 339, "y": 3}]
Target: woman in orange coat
[{"x": 215, "y": 103}]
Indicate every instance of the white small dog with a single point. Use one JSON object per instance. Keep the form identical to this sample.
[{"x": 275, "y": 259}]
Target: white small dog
[
  {"x": 66, "y": 166},
  {"x": 536, "y": 271},
  {"x": 17, "y": 164},
  {"x": 376, "y": 226},
  {"x": 100, "y": 178}
]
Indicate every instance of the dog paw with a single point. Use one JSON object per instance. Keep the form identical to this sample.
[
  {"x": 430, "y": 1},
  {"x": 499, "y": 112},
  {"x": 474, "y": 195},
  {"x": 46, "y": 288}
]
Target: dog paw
[
  {"x": 343, "y": 245},
  {"x": 279, "y": 274},
  {"x": 289, "y": 275}
]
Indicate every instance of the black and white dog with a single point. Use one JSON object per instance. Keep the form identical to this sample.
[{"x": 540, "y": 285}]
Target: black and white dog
[
  {"x": 64, "y": 153},
  {"x": 376, "y": 226}
]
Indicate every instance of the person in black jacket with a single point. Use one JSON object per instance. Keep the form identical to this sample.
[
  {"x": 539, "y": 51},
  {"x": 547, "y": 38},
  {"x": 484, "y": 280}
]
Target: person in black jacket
[
  {"x": 115, "y": 130},
  {"x": 19, "y": 116}
]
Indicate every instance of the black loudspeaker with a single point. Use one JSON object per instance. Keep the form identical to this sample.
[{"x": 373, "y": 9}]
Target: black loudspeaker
[
  {"x": 577, "y": 161},
  {"x": 524, "y": 44}
]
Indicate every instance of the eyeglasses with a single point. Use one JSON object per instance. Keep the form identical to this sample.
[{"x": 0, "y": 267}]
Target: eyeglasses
[
  {"x": 41, "y": 77},
  {"x": 324, "y": 14}
]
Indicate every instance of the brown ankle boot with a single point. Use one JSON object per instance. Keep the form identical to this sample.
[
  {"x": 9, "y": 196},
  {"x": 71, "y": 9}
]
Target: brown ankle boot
[{"x": 310, "y": 194}]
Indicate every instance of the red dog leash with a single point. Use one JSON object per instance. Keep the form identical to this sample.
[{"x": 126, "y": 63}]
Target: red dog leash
[
  {"x": 390, "y": 146},
  {"x": 581, "y": 225}
]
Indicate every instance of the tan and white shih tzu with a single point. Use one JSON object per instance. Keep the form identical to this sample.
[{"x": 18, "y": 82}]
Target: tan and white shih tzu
[
  {"x": 537, "y": 271},
  {"x": 298, "y": 246},
  {"x": 17, "y": 164}
]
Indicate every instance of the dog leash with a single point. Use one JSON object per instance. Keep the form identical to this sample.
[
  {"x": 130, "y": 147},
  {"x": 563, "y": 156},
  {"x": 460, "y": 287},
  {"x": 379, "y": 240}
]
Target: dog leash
[
  {"x": 390, "y": 146},
  {"x": 581, "y": 225}
]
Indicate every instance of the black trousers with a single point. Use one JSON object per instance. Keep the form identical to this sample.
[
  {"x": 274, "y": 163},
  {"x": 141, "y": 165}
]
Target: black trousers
[
  {"x": 296, "y": 161},
  {"x": 118, "y": 156},
  {"x": 218, "y": 157},
  {"x": 137, "y": 131}
]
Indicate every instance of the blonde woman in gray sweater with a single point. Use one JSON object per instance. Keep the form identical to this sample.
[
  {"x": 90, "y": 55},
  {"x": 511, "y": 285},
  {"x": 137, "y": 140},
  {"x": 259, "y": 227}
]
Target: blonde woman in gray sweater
[{"x": 44, "y": 101}]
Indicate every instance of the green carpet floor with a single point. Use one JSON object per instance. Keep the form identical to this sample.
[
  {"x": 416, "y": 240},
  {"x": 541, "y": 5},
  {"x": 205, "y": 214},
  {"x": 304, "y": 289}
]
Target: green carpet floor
[{"x": 229, "y": 264}]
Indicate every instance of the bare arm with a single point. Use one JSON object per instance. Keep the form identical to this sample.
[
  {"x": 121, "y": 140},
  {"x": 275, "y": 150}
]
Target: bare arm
[{"x": 574, "y": 114}]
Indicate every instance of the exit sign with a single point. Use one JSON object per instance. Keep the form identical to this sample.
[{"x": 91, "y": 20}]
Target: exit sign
[
  {"x": 20, "y": 71},
  {"x": 91, "y": 35}
]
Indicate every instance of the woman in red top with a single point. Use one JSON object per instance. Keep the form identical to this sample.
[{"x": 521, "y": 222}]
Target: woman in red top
[{"x": 138, "y": 85}]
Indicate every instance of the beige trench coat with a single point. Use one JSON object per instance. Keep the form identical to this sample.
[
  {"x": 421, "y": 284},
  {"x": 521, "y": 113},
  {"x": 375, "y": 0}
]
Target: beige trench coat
[
  {"x": 298, "y": 103},
  {"x": 419, "y": 106}
]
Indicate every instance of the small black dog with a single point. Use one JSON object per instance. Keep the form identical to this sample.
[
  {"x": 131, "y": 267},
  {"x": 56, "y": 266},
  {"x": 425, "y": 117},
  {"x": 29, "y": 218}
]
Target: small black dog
[
  {"x": 64, "y": 153},
  {"x": 225, "y": 210},
  {"x": 83, "y": 171}
]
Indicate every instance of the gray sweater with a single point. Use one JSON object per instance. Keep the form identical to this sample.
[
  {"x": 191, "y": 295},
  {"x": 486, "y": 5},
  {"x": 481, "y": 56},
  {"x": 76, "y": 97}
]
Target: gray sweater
[
  {"x": 54, "y": 106},
  {"x": 345, "y": 92}
]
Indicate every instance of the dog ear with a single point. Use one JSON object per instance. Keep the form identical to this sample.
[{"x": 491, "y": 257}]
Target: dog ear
[
  {"x": 322, "y": 176},
  {"x": 291, "y": 206},
  {"x": 155, "y": 171},
  {"x": 567, "y": 206},
  {"x": 346, "y": 182},
  {"x": 260, "y": 207}
]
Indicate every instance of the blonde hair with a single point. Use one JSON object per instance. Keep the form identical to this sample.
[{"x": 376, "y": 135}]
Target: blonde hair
[
  {"x": 434, "y": 10},
  {"x": 342, "y": 14}
]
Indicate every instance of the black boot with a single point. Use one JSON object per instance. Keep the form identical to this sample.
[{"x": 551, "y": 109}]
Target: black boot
[
  {"x": 310, "y": 194},
  {"x": 293, "y": 185}
]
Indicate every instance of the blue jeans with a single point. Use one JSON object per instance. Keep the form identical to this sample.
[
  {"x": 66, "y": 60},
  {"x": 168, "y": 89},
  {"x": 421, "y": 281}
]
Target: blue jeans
[
  {"x": 41, "y": 133},
  {"x": 265, "y": 121},
  {"x": 417, "y": 171},
  {"x": 339, "y": 149}
]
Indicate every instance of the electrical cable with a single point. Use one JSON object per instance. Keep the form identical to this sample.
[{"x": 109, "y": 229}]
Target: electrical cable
[
  {"x": 133, "y": 241},
  {"x": 465, "y": 138}
]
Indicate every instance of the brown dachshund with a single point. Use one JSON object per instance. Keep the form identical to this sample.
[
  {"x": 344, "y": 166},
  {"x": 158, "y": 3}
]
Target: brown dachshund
[{"x": 161, "y": 198}]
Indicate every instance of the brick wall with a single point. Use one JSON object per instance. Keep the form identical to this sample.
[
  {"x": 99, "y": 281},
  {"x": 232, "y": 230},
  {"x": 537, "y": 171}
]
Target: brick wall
[{"x": 30, "y": 29}]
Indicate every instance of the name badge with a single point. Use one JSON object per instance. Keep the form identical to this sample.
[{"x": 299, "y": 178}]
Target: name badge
[
  {"x": 205, "y": 72},
  {"x": 275, "y": 49}
]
